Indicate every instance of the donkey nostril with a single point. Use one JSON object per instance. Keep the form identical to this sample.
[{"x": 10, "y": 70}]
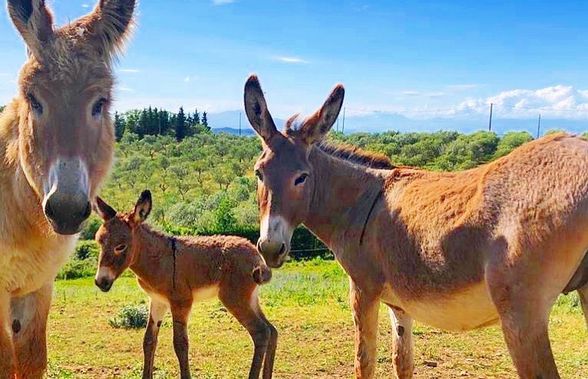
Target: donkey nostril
[
  {"x": 48, "y": 210},
  {"x": 88, "y": 211}
]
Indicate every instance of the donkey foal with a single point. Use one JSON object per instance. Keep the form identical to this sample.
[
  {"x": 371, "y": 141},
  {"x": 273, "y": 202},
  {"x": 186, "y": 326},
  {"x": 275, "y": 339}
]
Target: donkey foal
[{"x": 175, "y": 272}]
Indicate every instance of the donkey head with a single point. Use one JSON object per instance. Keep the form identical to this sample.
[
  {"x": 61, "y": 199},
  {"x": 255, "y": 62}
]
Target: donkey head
[
  {"x": 285, "y": 175},
  {"x": 66, "y": 139},
  {"x": 115, "y": 237}
]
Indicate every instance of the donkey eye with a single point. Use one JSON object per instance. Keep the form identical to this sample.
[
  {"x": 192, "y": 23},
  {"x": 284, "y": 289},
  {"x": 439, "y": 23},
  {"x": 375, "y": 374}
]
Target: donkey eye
[
  {"x": 259, "y": 175},
  {"x": 35, "y": 104},
  {"x": 98, "y": 107},
  {"x": 120, "y": 249},
  {"x": 301, "y": 179}
]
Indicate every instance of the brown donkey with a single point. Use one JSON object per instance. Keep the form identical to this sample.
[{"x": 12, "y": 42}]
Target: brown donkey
[
  {"x": 175, "y": 272},
  {"x": 457, "y": 251},
  {"x": 56, "y": 147}
]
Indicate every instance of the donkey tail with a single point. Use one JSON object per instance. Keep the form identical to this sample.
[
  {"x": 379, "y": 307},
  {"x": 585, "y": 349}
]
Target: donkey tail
[{"x": 261, "y": 274}]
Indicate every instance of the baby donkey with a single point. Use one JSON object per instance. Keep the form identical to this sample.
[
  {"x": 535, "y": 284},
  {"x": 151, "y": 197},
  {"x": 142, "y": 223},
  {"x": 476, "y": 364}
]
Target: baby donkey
[{"x": 177, "y": 271}]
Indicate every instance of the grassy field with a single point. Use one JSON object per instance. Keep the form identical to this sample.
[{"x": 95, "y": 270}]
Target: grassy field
[{"x": 307, "y": 302}]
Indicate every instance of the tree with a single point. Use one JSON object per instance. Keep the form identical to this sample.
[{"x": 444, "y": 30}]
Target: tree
[
  {"x": 510, "y": 141},
  {"x": 196, "y": 117},
  {"x": 180, "y": 125},
  {"x": 205, "y": 121},
  {"x": 2, "y": 108},
  {"x": 119, "y": 126}
]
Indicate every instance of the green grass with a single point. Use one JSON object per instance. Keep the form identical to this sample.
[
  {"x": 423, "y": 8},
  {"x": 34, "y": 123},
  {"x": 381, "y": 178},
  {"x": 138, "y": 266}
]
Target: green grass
[{"x": 307, "y": 302}]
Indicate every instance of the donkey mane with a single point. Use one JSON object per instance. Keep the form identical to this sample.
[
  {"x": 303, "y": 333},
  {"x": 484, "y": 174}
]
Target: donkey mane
[{"x": 356, "y": 155}]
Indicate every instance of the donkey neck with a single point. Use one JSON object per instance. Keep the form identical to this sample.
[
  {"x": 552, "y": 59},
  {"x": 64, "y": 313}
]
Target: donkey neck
[
  {"x": 150, "y": 247},
  {"x": 343, "y": 196}
]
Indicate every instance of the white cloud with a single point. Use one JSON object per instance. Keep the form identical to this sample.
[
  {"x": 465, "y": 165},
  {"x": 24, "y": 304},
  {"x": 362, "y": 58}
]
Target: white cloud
[
  {"x": 461, "y": 87},
  {"x": 557, "y": 101},
  {"x": 125, "y": 89},
  {"x": 429, "y": 94},
  {"x": 130, "y": 70},
  {"x": 222, "y": 2},
  {"x": 289, "y": 59},
  {"x": 85, "y": 5}
]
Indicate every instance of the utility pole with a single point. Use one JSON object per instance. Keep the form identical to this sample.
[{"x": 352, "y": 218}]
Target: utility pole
[
  {"x": 343, "y": 127},
  {"x": 337, "y": 124},
  {"x": 490, "y": 122},
  {"x": 239, "y": 124},
  {"x": 539, "y": 126}
]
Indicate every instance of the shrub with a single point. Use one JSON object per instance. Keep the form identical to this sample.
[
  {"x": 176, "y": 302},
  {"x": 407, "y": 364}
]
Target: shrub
[
  {"x": 86, "y": 250},
  {"x": 83, "y": 263},
  {"x": 90, "y": 229},
  {"x": 130, "y": 317},
  {"x": 75, "y": 269}
]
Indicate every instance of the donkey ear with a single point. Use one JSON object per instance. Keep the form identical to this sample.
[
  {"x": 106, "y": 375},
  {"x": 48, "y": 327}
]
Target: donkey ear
[
  {"x": 143, "y": 207},
  {"x": 105, "y": 211},
  {"x": 318, "y": 125},
  {"x": 256, "y": 109},
  {"x": 109, "y": 24},
  {"x": 34, "y": 22}
]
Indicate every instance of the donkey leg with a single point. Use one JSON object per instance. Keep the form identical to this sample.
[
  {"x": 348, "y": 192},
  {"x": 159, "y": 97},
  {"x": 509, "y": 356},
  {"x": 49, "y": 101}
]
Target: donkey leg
[
  {"x": 180, "y": 316},
  {"x": 365, "y": 307},
  {"x": 583, "y": 293},
  {"x": 7, "y": 358},
  {"x": 402, "y": 343},
  {"x": 244, "y": 306},
  {"x": 523, "y": 309},
  {"x": 29, "y": 331},
  {"x": 270, "y": 354},
  {"x": 157, "y": 310}
]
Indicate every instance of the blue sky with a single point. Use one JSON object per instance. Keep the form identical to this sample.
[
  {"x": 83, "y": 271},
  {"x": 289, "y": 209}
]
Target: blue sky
[{"x": 421, "y": 59}]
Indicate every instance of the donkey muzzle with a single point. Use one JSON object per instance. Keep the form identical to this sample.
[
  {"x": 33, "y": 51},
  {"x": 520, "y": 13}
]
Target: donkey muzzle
[
  {"x": 273, "y": 252},
  {"x": 66, "y": 204}
]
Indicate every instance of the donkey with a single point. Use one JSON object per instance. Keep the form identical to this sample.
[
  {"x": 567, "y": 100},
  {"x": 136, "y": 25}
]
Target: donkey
[
  {"x": 177, "y": 271},
  {"x": 457, "y": 251},
  {"x": 56, "y": 147}
]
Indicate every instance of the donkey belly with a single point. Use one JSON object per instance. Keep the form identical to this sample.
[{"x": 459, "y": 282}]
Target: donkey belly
[{"x": 467, "y": 309}]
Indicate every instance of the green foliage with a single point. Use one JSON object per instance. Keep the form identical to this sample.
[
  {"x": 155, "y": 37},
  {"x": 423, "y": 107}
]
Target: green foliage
[
  {"x": 87, "y": 250},
  {"x": 204, "y": 184},
  {"x": 91, "y": 228},
  {"x": 180, "y": 125},
  {"x": 510, "y": 141},
  {"x": 83, "y": 263},
  {"x": 2, "y": 108},
  {"x": 131, "y": 317}
]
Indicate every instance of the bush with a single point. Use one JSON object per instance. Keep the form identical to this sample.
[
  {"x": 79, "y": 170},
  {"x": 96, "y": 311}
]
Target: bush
[
  {"x": 90, "y": 229},
  {"x": 75, "y": 269},
  {"x": 83, "y": 263},
  {"x": 87, "y": 250},
  {"x": 131, "y": 317}
]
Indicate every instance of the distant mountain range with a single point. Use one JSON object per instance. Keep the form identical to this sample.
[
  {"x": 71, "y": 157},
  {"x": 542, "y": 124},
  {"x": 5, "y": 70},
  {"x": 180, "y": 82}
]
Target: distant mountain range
[{"x": 228, "y": 122}]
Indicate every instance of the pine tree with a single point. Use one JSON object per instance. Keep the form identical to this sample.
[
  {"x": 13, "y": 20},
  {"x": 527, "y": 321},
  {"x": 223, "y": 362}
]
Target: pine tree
[
  {"x": 196, "y": 117},
  {"x": 205, "y": 121},
  {"x": 180, "y": 125},
  {"x": 119, "y": 126},
  {"x": 143, "y": 126}
]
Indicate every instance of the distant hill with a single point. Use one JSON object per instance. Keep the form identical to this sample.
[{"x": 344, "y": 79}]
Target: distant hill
[
  {"x": 228, "y": 122},
  {"x": 244, "y": 132}
]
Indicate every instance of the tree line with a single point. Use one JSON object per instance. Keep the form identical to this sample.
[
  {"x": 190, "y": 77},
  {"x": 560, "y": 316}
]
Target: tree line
[{"x": 159, "y": 122}]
